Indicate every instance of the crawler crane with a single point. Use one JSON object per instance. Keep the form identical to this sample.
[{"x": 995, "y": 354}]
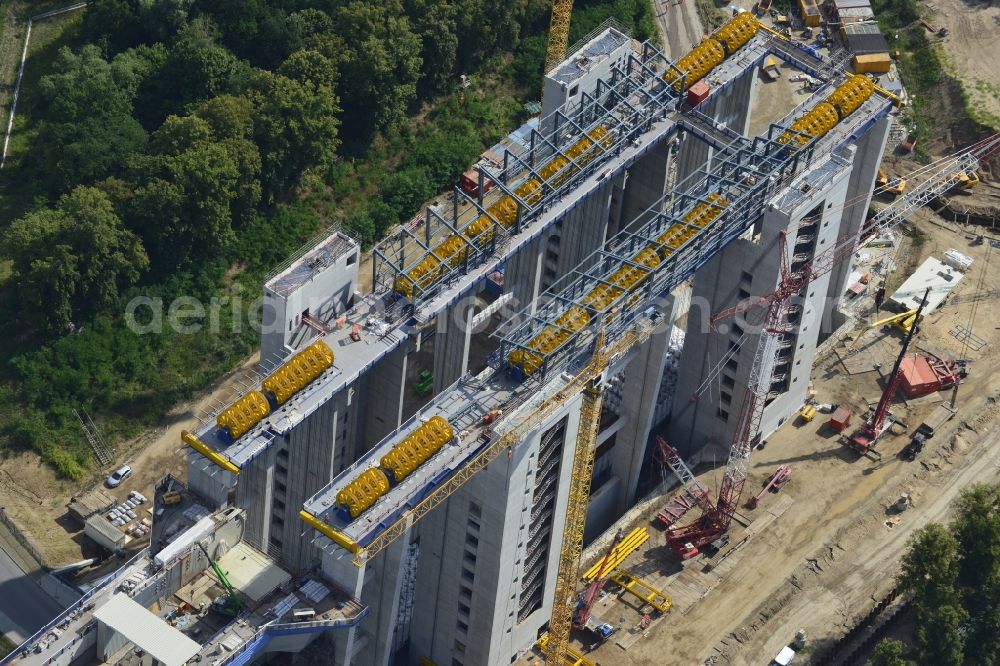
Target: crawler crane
[{"x": 687, "y": 540}]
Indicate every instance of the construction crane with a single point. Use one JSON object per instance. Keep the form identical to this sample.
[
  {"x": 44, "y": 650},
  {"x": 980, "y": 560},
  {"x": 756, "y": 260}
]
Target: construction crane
[
  {"x": 555, "y": 53},
  {"x": 227, "y": 604},
  {"x": 946, "y": 174},
  {"x": 583, "y": 617},
  {"x": 863, "y": 441},
  {"x": 712, "y": 524},
  {"x": 576, "y": 508}
]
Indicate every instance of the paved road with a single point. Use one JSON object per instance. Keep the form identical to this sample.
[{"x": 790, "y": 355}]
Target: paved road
[{"x": 24, "y": 606}]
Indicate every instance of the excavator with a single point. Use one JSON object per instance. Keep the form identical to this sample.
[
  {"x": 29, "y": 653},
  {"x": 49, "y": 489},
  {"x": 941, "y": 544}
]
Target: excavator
[
  {"x": 967, "y": 179},
  {"x": 227, "y": 604},
  {"x": 893, "y": 186}
]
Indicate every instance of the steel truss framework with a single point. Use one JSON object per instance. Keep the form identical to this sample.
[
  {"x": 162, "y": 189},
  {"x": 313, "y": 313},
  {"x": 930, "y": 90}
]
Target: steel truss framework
[{"x": 625, "y": 104}]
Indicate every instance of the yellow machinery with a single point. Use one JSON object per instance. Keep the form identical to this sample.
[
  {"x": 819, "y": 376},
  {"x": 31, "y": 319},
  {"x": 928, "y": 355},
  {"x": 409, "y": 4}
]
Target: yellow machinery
[
  {"x": 243, "y": 414},
  {"x": 625, "y": 279},
  {"x": 641, "y": 589},
  {"x": 360, "y": 494},
  {"x": 967, "y": 179},
  {"x": 819, "y": 120},
  {"x": 173, "y": 497},
  {"x": 903, "y": 321},
  {"x": 294, "y": 374},
  {"x": 414, "y": 451},
  {"x": 807, "y": 413},
  {"x": 702, "y": 59},
  {"x": 626, "y": 547},
  {"x": 894, "y": 186},
  {"x": 454, "y": 249},
  {"x": 570, "y": 656},
  {"x": 555, "y": 53}
]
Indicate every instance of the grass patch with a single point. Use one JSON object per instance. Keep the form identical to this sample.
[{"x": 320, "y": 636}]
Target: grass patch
[
  {"x": 711, "y": 14},
  {"x": 6, "y": 646},
  {"x": 47, "y": 37}
]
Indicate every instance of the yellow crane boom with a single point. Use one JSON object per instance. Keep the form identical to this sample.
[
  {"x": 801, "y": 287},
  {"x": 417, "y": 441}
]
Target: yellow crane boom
[
  {"x": 562, "y": 12},
  {"x": 564, "y": 601}
]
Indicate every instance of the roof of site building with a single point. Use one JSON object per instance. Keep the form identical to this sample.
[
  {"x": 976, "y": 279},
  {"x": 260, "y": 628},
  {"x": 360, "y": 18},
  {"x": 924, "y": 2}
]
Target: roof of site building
[
  {"x": 933, "y": 274},
  {"x": 146, "y": 631},
  {"x": 595, "y": 51},
  {"x": 841, "y": 5},
  {"x": 865, "y": 38},
  {"x": 309, "y": 260}
]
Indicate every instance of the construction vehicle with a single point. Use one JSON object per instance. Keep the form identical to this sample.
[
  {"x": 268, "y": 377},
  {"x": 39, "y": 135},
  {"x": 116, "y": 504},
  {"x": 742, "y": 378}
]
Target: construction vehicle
[
  {"x": 967, "y": 179},
  {"x": 886, "y": 185},
  {"x": 227, "y": 604},
  {"x": 807, "y": 413},
  {"x": 770, "y": 69},
  {"x": 780, "y": 477},
  {"x": 583, "y": 617},
  {"x": 863, "y": 440},
  {"x": 172, "y": 497}
]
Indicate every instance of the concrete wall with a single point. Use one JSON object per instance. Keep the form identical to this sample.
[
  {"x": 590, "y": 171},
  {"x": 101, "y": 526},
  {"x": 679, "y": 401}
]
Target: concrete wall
[
  {"x": 326, "y": 294},
  {"x": 494, "y": 554}
]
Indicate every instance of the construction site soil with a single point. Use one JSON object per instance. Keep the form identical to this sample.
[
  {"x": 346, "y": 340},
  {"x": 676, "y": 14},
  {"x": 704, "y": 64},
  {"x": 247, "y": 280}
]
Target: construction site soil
[{"x": 820, "y": 554}]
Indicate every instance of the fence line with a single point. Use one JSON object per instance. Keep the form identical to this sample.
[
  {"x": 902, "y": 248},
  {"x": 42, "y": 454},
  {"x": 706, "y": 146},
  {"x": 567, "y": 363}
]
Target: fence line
[
  {"x": 21, "y": 538},
  {"x": 20, "y": 71}
]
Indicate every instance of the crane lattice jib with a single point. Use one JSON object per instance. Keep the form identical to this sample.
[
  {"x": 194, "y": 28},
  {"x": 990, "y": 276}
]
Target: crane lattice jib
[
  {"x": 576, "y": 519},
  {"x": 715, "y": 522},
  {"x": 504, "y": 440},
  {"x": 562, "y": 12},
  {"x": 684, "y": 474}
]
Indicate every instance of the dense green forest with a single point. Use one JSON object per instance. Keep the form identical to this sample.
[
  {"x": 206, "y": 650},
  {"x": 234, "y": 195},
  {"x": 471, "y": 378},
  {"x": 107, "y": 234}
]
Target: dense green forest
[
  {"x": 953, "y": 573},
  {"x": 183, "y": 147}
]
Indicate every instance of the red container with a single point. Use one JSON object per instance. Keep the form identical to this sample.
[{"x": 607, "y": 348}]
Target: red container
[
  {"x": 840, "y": 419},
  {"x": 698, "y": 92}
]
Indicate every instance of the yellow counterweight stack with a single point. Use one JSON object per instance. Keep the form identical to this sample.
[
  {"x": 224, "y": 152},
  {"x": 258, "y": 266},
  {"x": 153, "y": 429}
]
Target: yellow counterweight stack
[
  {"x": 453, "y": 250},
  {"x": 298, "y": 371},
  {"x": 360, "y": 494},
  {"x": 415, "y": 450},
  {"x": 243, "y": 414},
  {"x": 822, "y": 118},
  {"x": 702, "y": 59}
]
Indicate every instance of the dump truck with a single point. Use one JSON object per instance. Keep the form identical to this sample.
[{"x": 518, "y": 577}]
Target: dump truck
[{"x": 770, "y": 69}]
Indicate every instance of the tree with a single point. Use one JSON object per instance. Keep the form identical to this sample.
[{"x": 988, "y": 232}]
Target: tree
[
  {"x": 434, "y": 21},
  {"x": 381, "y": 66},
  {"x": 72, "y": 261},
  {"x": 939, "y": 637},
  {"x": 86, "y": 128},
  {"x": 889, "y": 652},
  {"x": 296, "y": 127},
  {"x": 929, "y": 567}
]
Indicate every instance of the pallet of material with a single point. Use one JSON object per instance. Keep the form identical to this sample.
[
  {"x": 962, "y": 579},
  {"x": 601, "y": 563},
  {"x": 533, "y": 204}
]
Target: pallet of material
[{"x": 85, "y": 505}]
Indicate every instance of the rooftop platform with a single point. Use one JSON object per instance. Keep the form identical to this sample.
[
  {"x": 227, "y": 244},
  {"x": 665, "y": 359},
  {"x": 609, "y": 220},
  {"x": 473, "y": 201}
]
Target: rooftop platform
[
  {"x": 598, "y": 49},
  {"x": 309, "y": 260}
]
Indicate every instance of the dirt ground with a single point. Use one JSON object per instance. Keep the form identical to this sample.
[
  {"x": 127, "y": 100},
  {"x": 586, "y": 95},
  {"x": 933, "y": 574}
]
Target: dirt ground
[
  {"x": 820, "y": 554},
  {"x": 36, "y": 499},
  {"x": 971, "y": 45}
]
